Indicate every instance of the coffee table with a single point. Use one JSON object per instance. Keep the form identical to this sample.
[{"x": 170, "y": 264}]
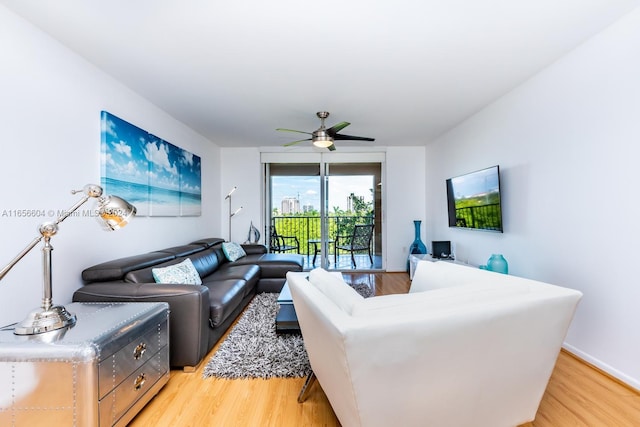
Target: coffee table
[{"x": 286, "y": 319}]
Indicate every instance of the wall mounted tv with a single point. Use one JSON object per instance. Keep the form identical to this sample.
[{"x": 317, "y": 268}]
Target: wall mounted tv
[{"x": 474, "y": 202}]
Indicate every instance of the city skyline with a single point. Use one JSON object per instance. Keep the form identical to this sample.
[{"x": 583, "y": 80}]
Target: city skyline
[{"x": 307, "y": 190}]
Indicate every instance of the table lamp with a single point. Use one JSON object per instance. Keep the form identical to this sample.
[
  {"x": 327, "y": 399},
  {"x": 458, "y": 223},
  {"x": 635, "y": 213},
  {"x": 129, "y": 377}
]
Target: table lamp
[{"x": 114, "y": 213}]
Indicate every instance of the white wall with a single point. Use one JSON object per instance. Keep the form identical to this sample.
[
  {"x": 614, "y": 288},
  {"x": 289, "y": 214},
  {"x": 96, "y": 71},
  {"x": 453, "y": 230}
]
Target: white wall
[
  {"x": 241, "y": 169},
  {"x": 403, "y": 197},
  {"x": 404, "y": 202},
  {"x": 50, "y": 107},
  {"x": 568, "y": 144}
]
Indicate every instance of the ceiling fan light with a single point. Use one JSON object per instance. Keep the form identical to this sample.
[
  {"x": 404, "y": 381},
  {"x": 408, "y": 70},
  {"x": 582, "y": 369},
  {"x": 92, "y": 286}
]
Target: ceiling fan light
[{"x": 323, "y": 141}]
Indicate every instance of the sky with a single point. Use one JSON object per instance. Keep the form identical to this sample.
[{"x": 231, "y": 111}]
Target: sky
[
  {"x": 307, "y": 189},
  {"x": 480, "y": 182},
  {"x": 133, "y": 155}
]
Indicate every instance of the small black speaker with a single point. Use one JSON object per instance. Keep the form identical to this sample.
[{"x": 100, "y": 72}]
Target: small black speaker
[{"x": 441, "y": 249}]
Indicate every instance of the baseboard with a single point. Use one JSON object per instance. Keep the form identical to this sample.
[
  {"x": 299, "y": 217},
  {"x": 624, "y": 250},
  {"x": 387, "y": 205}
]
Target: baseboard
[{"x": 606, "y": 370}]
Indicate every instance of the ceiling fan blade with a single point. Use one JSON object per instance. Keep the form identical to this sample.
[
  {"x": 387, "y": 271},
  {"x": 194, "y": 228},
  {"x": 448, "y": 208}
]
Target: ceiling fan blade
[
  {"x": 293, "y": 130},
  {"x": 332, "y": 147},
  {"x": 341, "y": 137},
  {"x": 337, "y": 128},
  {"x": 288, "y": 144}
]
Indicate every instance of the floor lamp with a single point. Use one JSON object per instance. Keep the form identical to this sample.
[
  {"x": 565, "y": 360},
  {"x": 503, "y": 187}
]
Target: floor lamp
[
  {"x": 114, "y": 212},
  {"x": 232, "y": 214}
]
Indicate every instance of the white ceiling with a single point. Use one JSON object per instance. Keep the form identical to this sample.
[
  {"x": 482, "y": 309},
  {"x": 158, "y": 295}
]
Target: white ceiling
[{"x": 402, "y": 71}]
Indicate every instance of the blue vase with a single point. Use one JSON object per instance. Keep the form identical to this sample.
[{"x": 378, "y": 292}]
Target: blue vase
[
  {"x": 417, "y": 247},
  {"x": 498, "y": 264}
]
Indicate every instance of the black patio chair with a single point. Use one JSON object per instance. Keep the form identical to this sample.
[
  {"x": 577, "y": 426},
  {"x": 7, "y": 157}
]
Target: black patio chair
[
  {"x": 358, "y": 241},
  {"x": 279, "y": 243}
]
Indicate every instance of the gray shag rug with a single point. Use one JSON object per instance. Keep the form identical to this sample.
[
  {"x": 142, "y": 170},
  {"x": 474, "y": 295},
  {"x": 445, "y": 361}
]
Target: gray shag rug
[{"x": 254, "y": 350}]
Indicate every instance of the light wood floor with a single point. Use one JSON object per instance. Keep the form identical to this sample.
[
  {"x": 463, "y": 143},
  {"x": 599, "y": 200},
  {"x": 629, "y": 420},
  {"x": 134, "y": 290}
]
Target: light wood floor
[{"x": 577, "y": 395}]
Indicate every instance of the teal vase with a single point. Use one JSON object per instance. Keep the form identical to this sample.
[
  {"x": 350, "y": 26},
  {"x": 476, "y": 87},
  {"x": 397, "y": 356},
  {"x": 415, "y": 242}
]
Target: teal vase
[
  {"x": 498, "y": 264},
  {"x": 417, "y": 247}
]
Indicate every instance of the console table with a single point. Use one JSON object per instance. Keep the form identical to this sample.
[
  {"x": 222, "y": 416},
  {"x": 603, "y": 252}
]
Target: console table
[{"x": 100, "y": 372}]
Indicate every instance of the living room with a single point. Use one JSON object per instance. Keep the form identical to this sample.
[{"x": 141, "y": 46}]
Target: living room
[{"x": 563, "y": 136}]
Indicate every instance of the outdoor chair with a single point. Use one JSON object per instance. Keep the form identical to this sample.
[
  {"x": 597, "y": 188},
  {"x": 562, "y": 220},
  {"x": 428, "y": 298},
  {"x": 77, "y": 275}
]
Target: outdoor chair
[
  {"x": 279, "y": 243},
  {"x": 358, "y": 241}
]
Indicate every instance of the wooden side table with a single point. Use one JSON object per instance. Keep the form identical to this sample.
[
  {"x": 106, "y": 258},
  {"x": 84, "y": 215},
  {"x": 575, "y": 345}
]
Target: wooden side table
[{"x": 100, "y": 372}]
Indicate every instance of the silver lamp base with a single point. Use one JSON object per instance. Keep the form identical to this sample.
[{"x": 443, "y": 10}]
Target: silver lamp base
[{"x": 40, "y": 321}]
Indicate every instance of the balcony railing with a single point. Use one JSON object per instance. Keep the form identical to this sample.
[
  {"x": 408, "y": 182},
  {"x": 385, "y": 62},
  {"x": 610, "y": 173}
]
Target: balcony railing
[
  {"x": 485, "y": 217},
  {"x": 307, "y": 228}
]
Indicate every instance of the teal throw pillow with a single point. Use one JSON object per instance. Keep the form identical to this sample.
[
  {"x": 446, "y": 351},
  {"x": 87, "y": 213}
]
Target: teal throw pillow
[
  {"x": 183, "y": 273},
  {"x": 233, "y": 251}
]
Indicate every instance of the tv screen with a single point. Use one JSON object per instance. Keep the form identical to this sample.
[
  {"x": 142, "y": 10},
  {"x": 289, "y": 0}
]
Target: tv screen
[{"x": 473, "y": 200}]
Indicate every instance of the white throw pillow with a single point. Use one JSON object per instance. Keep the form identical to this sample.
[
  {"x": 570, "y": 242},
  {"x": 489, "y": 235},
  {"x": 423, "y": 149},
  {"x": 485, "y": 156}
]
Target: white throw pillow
[
  {"x": 233, "y": 251},
  {"x": 336, "y": 289},
  {"x": 183, "y": 273}
]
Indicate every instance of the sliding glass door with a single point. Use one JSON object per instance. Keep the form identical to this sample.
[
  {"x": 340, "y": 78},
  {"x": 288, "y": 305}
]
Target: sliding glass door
[
  {"x": 354, "y": 215},
  {"x": 330, "y": 212},
  {"x": 294, "y": 207}
]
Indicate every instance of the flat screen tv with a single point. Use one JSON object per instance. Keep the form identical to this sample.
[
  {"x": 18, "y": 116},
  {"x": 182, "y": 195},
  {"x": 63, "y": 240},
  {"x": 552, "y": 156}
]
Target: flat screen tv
[{"x": 474, "y": 202}]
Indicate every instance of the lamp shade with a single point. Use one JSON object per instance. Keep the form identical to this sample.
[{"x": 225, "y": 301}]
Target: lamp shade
[{"x": 115, "y": 212}]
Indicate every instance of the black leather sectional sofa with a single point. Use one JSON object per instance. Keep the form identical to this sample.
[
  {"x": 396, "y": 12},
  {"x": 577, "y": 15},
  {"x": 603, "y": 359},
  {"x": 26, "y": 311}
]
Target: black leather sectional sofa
[{"x": 199, "y": 314}]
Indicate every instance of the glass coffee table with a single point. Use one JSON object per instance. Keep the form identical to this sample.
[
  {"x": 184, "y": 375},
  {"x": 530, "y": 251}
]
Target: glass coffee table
[{"x": 286, "y": 319}]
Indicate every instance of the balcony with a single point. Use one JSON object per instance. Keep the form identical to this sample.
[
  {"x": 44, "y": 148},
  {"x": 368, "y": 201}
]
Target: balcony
[{"x": 307, "y": 230}]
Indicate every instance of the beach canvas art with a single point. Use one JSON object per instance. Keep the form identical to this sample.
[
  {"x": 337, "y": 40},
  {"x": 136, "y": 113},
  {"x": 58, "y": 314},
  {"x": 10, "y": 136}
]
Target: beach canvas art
[{"x": 159, "y": 178}]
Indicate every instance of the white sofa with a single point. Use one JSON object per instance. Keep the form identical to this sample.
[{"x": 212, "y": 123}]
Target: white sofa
[{"x": 464, "y": 347}]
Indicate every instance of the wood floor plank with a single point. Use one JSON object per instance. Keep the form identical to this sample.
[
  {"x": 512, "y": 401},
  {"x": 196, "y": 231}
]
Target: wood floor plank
[
  {"x": 577, "y": 394},
  {"x": 580, "y": 395}
]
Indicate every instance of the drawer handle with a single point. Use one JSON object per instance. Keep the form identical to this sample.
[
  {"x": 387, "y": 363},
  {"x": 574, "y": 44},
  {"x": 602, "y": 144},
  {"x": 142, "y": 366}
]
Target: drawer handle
[
  {"x": 139, "y": 381},
  {"x": 139, "y": 350}
]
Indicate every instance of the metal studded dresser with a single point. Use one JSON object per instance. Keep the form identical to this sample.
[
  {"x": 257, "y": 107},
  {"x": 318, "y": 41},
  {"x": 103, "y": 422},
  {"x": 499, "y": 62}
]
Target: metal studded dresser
[{"x": 100, "y": 372}]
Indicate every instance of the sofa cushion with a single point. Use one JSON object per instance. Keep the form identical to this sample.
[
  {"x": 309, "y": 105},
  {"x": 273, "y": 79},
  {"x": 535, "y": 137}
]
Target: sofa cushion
[
  {"x": 222, "y": 258},
  {"x": 233, "y": 251},
  {"x": 273, "y": 265},
  {"x": 224, "y": 296},
  {"x": 145, "y": 275},
  {"x": 183, "y": 273},
  {"x": 232, "y": 271},
  {"x": 183, "y": 250},
  {"x": 206, "y": 262},
  {"x": 254, "y": 248},
  {"x": 208, "y": 242},
  {"x": 117, "y": 269},
  {"x": 336, "y": 289}
]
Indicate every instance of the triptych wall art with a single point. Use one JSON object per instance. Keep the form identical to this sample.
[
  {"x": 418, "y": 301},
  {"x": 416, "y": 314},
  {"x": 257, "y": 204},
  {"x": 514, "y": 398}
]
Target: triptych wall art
[{"x": 159, "y": 178}]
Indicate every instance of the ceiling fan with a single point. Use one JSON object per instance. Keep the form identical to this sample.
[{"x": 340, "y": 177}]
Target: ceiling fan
[{"x": 323, "y": 137}]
